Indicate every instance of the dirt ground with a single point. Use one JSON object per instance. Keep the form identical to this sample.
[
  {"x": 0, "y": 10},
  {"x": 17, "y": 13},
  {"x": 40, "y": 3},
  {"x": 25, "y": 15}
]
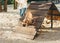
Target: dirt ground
[{"x": 10, "y": 19}]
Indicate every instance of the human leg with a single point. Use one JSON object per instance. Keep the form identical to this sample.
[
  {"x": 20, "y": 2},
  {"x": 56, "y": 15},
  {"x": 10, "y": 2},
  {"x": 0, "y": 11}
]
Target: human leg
[{"x": 22, "y": 11}]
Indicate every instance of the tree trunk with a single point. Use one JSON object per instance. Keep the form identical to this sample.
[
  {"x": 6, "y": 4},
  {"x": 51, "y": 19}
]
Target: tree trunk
[
  {"x": 15, "y": 4},
  {"x": 5, "y": 5},
  {"x": 0, "y": 7}
]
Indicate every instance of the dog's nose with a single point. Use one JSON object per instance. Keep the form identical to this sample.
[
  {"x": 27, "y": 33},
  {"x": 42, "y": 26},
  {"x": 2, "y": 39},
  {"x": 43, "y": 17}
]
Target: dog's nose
[{"x": 24, "y": 25}]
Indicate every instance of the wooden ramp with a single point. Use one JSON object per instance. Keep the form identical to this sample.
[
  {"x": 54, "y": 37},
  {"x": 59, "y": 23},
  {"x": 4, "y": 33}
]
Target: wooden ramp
[
  {"x": 25, "y": 32},
  {"x": 53, "y": 11},
  {"x": 39, "y": 12}
]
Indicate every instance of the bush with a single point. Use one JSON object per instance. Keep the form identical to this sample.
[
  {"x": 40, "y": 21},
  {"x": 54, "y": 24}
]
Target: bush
[{"x": 9, "y": 1}]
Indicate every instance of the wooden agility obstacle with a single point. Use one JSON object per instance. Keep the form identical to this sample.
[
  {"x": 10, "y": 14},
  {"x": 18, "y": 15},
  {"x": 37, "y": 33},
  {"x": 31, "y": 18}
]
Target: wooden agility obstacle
[{"x": 39, "y": 12}]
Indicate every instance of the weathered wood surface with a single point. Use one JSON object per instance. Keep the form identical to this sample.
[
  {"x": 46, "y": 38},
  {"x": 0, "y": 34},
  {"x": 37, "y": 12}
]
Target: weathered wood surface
[
  {"x": 39, "y": 11},
  {"x": 54, "y": 11},
  {"x": 26, "y": 32},
  {"x": 44, "y": 8}
]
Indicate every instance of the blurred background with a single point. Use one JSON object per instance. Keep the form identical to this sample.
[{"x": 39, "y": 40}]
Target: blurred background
[{"x": 12, "y": 1}]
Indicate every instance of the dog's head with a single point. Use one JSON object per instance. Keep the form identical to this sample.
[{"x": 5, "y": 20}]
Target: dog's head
[{"x": 25, "y": 22}]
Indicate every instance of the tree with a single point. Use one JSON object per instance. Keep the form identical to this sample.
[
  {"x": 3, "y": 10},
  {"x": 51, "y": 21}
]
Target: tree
[
  {"x": 0, "y": 6},
  {"x": 15, "y": 4},
  {"x": 5, "y": 5}
]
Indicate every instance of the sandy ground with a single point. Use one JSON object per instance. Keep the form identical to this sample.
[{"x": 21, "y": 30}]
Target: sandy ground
[{"x": 10, "y": 19}]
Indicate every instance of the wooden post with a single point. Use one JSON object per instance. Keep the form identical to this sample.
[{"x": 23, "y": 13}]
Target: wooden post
[
  {"x": 0, "y": 6},
  {"x": 15, "y": 4},
  {"x": 5, "y": 5}
]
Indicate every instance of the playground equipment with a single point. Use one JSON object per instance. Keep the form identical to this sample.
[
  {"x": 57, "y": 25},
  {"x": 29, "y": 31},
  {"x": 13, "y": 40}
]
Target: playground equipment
[{"x": 39, "y": 11}]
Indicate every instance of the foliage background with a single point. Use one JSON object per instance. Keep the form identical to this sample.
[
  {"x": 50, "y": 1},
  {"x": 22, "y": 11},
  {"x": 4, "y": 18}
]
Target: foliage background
[{"x": 12, "y": 1}]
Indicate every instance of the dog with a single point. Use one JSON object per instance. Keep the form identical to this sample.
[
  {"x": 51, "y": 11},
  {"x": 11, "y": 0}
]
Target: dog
[{"x": 28, "y": 18}]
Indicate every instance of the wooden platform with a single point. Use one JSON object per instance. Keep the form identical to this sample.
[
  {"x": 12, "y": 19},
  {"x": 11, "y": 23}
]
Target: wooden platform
[{"x": 26, "y": 32}]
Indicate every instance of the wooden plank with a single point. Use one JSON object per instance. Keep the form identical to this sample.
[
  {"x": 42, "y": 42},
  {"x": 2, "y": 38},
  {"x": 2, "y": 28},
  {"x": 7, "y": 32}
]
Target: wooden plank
[
  {"x": 23, "y": 36},
  {"x": 54, "y": 12},
  {"x": 26, "y": 32},
  {"x": 54, "y": 17}
]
